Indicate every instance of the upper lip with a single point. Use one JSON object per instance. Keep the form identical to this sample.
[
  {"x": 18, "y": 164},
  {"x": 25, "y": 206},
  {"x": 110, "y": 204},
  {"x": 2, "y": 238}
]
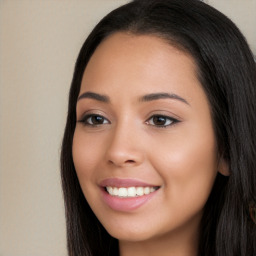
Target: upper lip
[{"x": 117, "y": 182}]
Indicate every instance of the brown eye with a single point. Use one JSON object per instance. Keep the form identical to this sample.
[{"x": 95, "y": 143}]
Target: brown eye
[
  {"x": 161, "y": 121},
  {"x": 94, "y": 120}
]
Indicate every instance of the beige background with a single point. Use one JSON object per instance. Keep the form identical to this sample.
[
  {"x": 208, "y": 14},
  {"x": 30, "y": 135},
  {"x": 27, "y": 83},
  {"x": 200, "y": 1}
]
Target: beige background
[{"x": 39, "y": 42}]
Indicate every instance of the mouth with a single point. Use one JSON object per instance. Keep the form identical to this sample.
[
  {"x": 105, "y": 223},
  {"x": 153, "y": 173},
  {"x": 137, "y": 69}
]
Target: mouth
[
  {"x": 130, "y": 192},
  {"x": 126, "y": 195}
]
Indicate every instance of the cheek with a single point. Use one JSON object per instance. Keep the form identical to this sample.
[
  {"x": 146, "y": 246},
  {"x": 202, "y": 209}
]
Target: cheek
[
  {"x": 86, "y": 155},
  {"x": 188, "y": 164}
]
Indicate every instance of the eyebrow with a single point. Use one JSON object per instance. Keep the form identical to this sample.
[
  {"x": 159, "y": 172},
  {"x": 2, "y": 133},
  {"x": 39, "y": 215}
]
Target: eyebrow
[
  {"x": 95, "y": 96},
  {"x": 145, "y": 98},
  {"x": 162, "y": 95}
]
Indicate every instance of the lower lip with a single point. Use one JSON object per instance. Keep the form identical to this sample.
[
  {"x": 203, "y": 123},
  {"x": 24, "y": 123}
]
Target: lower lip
[{"x": 126, "y": 204}]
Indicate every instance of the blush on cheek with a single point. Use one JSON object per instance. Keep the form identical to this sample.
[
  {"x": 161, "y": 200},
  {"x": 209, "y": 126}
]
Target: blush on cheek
[{"x": 82, "y": 151}]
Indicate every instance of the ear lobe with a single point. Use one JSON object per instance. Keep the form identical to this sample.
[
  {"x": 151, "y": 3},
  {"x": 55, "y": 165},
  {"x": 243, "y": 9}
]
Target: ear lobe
[{"x": 223, "y": 167}]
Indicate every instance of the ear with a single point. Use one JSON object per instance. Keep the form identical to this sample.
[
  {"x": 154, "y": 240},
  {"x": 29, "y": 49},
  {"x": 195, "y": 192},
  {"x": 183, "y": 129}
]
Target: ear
[{"x": 223, "y": 167}]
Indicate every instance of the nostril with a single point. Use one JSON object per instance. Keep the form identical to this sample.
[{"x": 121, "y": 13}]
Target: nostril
[
  {"x": 122, "y": 163},
  {"x": 130, "y": 161}
]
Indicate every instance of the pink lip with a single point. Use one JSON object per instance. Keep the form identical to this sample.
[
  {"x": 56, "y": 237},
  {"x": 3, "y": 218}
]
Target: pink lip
[
  {"x": 116, "y": 182},
  {"x": 125, "y": 204}
]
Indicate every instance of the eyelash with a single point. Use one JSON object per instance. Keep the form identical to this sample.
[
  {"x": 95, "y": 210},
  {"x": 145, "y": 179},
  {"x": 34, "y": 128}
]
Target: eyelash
[
  {"x": 85, "y": 119},
  {"x": 164, "y": 118},
  {"x": 88, "y": 120}
]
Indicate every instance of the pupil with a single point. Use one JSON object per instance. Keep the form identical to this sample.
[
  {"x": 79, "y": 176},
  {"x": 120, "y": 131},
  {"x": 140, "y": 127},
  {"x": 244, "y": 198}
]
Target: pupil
[
  {"x": 97, "y": 119},
  {"x": 159, "y": 120}
]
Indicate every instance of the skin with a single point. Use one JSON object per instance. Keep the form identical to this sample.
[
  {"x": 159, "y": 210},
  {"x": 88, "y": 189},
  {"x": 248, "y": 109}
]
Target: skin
[{"x": 181, "y": 157}]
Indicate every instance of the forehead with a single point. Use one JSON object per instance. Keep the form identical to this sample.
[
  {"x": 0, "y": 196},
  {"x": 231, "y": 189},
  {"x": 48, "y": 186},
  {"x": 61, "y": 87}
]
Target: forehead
[
  {"x": 130, "y": 47},
  {"x": 142, "y": 63}
]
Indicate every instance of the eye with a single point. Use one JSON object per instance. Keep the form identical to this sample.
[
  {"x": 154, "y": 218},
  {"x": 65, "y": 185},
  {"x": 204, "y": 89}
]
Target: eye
[
  {"x": 161, "y": 121},
  {"x": 94, "y": 120}
]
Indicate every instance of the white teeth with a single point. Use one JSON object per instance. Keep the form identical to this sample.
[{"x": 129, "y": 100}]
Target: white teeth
[
  {"x": 140, "y": 191},
  {"x": 115, "y": 191},
  {"x": 122, "y": 192},
  {"x": 110, "y": 190},
  {"x": 130, "y": 191},
  {"x": 147, "y": 190}
]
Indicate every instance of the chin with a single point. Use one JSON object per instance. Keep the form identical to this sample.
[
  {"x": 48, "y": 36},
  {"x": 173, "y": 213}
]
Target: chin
[
  {"x": 131, "y": 233},
  {"x": 130, "y": 236}
]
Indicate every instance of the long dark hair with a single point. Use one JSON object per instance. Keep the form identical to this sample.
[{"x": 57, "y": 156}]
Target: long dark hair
[{"x": 227, "y": 72}]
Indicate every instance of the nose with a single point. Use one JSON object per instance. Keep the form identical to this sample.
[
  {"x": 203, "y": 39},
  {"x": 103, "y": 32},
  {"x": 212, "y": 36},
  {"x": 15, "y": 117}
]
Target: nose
[{"x": 125, "y": 147}]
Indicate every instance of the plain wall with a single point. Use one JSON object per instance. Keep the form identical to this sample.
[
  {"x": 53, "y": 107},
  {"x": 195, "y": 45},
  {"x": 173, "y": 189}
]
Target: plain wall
[{"x": 39, "y": 42}]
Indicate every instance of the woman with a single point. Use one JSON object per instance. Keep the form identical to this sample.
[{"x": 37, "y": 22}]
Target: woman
[{"x": 158, "y": 155}]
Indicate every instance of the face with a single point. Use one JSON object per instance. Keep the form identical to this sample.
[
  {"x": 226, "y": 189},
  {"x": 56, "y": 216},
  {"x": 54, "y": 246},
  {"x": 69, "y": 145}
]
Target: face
[{"x": 144, "y": 147}]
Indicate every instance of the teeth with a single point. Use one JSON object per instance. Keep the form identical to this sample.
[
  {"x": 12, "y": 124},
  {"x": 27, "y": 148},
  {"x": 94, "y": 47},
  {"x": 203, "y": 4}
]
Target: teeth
[
  {"x": 147, "y": 190},
  {"x": 115, "y": 191},
  {"x": 122, "y": 192},
  {"x": 140, "y": 191},
  {"x": 130, "y": 191}
]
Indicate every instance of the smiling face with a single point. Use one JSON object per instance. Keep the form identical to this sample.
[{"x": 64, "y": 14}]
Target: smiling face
[{"x": 145, "y": 135}]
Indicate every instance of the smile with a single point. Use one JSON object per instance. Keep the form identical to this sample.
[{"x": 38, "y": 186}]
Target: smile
[
  {"x": 130, "y": 191},
  {"x": 126, "y": 195}
]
